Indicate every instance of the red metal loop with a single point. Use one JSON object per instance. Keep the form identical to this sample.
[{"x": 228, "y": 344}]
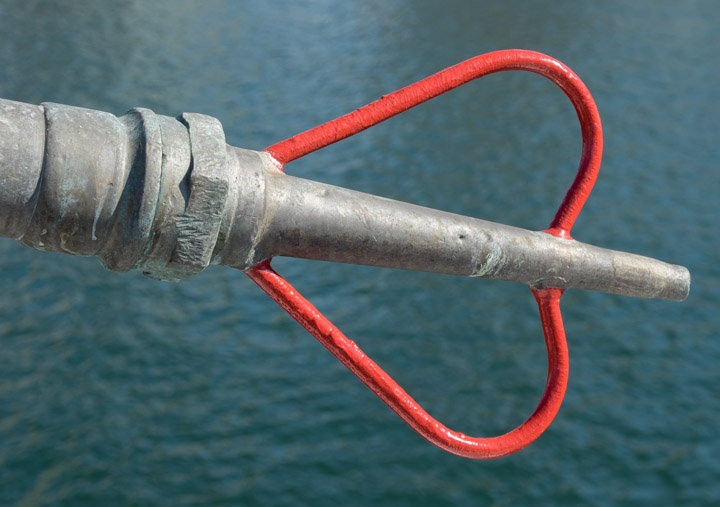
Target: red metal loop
[{"x": 548, "y": 299}]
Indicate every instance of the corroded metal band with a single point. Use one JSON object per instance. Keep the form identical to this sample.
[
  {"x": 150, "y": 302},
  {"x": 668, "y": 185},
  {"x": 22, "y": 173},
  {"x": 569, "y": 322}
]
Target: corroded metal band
[
  {"x": 22, "y": 139},
  {"x": 173, "y": 192},
  {"x": 80, "y": 183},
  {"x": 135, "y": 213},
  {"x": 197, "y": 228}
]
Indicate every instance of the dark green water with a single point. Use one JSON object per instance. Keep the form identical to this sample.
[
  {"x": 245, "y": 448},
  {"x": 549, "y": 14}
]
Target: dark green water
[{"x": 116, "y": 389}]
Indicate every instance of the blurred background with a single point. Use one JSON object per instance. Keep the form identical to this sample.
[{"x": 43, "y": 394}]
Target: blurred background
[{"x": 117, "y": 389}]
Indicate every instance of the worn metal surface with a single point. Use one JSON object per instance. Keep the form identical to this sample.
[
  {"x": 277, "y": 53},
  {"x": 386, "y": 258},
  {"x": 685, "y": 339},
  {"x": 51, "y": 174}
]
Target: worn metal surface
[
  {"x": 317, "y": 221},
  {"x": 170, "y": 197}
]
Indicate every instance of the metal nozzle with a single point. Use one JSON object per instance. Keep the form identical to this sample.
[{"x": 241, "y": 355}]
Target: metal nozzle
[{"x": 169, "y": 197}]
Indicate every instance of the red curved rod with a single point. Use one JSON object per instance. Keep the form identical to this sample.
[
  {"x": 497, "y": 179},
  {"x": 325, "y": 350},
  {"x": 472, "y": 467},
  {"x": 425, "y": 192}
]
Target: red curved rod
[
  {"x": 548, "y": 300},
  {"x": 349, "y": 354},
  {"x": 405, "y": 98}
]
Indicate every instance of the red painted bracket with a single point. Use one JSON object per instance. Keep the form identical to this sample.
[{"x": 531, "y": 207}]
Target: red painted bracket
[{"x": 548, "y": 299}]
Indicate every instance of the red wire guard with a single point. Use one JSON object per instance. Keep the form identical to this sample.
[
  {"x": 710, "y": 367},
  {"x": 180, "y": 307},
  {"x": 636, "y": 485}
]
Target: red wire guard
[{"x": 548, "y": 299}]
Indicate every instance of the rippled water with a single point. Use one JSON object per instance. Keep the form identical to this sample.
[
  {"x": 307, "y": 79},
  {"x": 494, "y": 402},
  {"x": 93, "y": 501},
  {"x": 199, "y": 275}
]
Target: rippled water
[{"x": 116, "y": 389}]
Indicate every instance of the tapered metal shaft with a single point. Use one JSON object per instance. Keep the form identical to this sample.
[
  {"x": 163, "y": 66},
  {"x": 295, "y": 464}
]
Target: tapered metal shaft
[
  {"x": 169, "y": 197},
  {"x": 316, "y": 221}
]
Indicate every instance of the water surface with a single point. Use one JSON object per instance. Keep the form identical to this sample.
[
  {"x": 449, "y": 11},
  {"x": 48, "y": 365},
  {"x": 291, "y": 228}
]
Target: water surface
[{"x": 116, "y": 389}]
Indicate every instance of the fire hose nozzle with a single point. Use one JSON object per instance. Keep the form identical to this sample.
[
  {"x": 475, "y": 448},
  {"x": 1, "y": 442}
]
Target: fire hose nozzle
[{"x": 168, "y": 196}]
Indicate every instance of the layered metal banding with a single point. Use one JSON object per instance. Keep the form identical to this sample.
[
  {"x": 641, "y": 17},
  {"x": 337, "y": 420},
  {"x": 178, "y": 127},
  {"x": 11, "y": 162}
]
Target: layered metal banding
[
  {"x": 173, "y": 193},
  {"x": 22, "y": 139},
  {"x": 169, "y": 197},
  {"x": 130, "y": 190}
]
